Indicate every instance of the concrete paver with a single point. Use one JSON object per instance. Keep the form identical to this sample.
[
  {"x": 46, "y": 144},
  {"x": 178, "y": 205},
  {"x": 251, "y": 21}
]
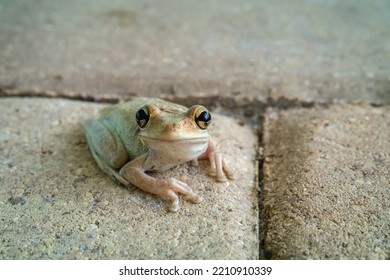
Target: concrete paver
[
  {"x": 327, "y": 183},
  {"x": 305, "y": 49},
  {"x": 57, "y": 204}
]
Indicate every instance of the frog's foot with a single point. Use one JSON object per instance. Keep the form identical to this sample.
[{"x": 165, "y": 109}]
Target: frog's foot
[
  {"x": 218, "y": 166},
  {"x": 170, "y": 188}
]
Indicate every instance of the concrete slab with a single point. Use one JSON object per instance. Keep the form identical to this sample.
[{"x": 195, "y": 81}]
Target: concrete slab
[
  {"x": 56, "y": 204},
  {"x": 327, "y": 183},
  {"x": 307, "y": 50}
]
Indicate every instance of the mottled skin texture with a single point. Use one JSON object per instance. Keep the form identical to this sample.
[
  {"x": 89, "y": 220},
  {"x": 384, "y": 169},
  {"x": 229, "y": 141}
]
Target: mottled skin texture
[{"x": 126, "y": 142}]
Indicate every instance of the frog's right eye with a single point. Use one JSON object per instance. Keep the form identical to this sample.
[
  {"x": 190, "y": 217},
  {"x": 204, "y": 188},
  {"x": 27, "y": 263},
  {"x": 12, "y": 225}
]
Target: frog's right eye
[{"x": 142, "y": 117}]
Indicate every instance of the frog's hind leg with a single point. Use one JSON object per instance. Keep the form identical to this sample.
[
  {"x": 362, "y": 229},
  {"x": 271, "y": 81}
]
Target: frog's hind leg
[
  {"x": 107, "y": 169},
  {"x": 106, "y": 148}
]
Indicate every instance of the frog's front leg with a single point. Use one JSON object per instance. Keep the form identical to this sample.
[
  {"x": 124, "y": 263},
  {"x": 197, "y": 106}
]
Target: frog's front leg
[{"x": 167, "y": 189}]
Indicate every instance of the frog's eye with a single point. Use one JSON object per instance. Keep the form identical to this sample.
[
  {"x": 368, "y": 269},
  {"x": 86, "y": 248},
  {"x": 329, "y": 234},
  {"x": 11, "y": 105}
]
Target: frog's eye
[
  {"x": 203, "y": 119},
  {"x": 142, "y": 117}
]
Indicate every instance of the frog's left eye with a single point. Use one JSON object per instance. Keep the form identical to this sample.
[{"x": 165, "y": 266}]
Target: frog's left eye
[
  {"x": 142, "y": 117},
  {"x": 203, "y": 119}
]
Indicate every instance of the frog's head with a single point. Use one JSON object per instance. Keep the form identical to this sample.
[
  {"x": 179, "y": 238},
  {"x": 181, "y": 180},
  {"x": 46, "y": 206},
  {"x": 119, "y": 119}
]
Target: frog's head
[{"x": 173, "y": 130}]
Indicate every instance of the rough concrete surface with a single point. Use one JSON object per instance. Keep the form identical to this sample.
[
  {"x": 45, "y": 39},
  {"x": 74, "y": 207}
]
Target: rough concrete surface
[
  {"x": 309, "y": 50},
  {"x": 56, "y": 204},
  {"x": 327, "y": 183},
  {"x": 237, "y": 56}
]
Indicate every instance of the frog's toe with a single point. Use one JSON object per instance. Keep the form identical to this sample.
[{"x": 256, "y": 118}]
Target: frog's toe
[
  {"x": 184, "y": 189},
  {"x": 212, "y": 172},
  {"x": 194, "y": 198},
  {"x": 227, "y": 170},
  {"x": 173, "y": 198},
  {"x": 175, "y": 187},
  {"x": 230, "y": 175},
  {"x": 221, "y": 179},
  {"x": 174, "y": 207}
]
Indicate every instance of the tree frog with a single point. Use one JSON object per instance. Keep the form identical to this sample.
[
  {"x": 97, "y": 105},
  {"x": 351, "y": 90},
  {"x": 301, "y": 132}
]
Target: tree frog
[{"x": 150, "y": 134}]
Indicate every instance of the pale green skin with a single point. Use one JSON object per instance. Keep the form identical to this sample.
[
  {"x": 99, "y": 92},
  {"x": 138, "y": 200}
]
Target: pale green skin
[{"x": 125, "y": 151}]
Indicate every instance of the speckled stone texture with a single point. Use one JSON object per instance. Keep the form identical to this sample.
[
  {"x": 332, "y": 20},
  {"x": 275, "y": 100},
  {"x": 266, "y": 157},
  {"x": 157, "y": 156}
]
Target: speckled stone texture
[
  {"x": 327, "y": 183},
  {"x": 57, "y": 204},
  {"x": 304, "y": 49}
]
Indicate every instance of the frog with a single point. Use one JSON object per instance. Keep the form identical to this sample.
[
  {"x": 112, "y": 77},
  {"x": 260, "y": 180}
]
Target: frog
[{"x": 131, "y": 140}]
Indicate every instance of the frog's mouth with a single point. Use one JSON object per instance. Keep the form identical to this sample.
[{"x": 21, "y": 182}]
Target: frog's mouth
[{"x": 183, "y": 149}]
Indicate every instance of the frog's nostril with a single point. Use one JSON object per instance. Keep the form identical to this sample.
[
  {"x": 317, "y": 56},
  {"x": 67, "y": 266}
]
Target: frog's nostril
[{"x": 173, "y": 127}]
